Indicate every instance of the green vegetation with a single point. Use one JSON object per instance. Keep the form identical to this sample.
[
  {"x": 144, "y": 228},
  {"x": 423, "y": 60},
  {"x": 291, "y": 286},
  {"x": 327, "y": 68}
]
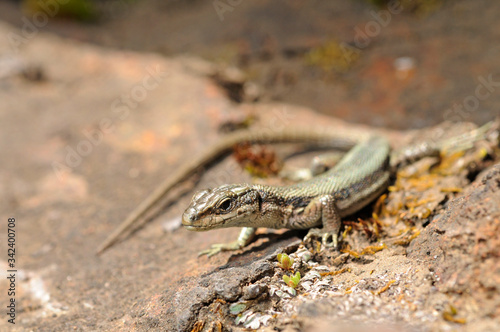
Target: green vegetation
[
  {"x": 285, "y": 261},
  {"x": 292, "y": 281}
]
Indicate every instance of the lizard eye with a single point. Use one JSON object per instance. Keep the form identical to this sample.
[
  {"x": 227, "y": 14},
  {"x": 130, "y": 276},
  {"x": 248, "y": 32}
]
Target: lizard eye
[{"x": 225, "y": 205}]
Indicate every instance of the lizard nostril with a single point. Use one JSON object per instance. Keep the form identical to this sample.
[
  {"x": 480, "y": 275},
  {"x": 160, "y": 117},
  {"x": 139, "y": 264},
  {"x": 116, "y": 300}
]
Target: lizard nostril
[{"x": 189, "y": 215}]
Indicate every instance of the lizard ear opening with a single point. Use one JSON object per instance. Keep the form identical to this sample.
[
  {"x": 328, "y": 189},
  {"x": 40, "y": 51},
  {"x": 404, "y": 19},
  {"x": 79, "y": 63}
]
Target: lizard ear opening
[{"x": 253, "y": 197}]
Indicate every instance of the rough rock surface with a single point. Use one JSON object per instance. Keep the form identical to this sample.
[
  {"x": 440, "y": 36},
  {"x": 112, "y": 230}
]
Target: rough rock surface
[{"x": 462, "y": 247}]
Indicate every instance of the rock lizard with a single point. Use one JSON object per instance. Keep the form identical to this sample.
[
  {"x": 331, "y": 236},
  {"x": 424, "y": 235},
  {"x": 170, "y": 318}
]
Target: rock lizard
[{"x": 361, "y": 176}]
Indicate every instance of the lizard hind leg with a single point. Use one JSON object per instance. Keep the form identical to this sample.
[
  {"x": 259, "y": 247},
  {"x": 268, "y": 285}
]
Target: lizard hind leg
[
  {"x": 325, "y": 208},
  {"x": 323, "y": 162},
  {"x": 467, "y": 140},
  {"x": 319, "y": 165}
]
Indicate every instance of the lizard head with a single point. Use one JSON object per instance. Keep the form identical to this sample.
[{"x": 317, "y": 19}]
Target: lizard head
[{"x": 225, "y": 206}]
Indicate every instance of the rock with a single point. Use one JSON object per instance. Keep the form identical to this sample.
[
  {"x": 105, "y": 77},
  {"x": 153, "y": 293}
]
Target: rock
[{"x": 462, "y": 246}]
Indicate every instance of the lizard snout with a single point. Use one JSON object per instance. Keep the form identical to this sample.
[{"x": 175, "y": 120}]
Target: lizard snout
[{"x": 189, "y": 219}]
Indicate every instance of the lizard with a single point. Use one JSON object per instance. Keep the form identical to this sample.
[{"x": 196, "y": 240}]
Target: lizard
[{"x": 361, "y": 176}]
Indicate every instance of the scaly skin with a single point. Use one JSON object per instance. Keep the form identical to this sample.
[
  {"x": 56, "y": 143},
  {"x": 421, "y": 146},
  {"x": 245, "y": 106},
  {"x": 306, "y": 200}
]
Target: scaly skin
[{"x": 360, "y": 177}]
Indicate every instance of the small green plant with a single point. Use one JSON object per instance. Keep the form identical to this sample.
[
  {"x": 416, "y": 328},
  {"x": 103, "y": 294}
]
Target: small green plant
[
  {"x": 285, "y": 261},
  {"x": 292, "y": 281}
]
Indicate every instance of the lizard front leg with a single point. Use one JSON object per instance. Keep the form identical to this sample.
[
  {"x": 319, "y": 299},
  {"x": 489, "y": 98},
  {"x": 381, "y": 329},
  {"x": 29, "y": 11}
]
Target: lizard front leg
[
  {"x": 324, "y": 209},
  {"x": 245, "y": 237}
]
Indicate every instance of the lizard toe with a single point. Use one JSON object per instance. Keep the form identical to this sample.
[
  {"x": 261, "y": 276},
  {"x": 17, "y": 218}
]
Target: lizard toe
[{"x": 325, "y": 236}]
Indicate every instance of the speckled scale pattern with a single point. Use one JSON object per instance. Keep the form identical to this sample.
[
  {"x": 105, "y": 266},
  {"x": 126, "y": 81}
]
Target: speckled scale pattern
[{"x": 357, "y": 179}]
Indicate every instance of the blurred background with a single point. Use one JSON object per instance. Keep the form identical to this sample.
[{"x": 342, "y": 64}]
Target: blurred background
[
  {"x": 401, "y": 64},
  {"x": 101, "y": 100}
]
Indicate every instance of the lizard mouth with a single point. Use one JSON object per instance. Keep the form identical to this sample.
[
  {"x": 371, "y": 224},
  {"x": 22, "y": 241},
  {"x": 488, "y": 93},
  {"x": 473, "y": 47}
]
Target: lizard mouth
[
  {"x": 193, "y": 228},
  {"x": 193, "y": 225},
  {"x": 202, "y": 224}
]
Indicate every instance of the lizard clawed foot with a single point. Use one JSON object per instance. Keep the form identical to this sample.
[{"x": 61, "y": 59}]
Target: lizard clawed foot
[
  {"x": 217, "y": 248},
  {"x": 325, "y": 235}
]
